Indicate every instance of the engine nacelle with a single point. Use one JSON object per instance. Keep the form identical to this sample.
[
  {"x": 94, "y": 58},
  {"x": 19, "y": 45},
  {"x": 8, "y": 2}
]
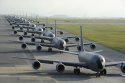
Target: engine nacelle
[
  {"x": 15, "y": 32},
  {"x": 21, "y": 28},
  {"x": 51, "y": 28},
  {"x": 60, "y": 67},
  {"x": 33, "y": 39},
  {"x": 24, "y": 45},
  {"x": 13, "y": 27},
  {"x": 36, "y": 65},
  {"x": 77, "y": 39},
  {"x": 38, "y": 47},
  {"x": 92, "y": 46},
  {"x": 123, "y": 67},
  {"x": 25, "y": 33},
  {"x": 21, "y": 38},
  {"x": 61, "y": 32},
  {"x": 44, "y": 29}
]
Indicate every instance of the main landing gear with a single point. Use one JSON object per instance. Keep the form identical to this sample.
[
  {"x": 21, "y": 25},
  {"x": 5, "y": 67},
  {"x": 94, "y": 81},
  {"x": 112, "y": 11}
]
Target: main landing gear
[
  {"x": 49, "y": 49},
  {"x": 77, "y": 71},
  {"x": 103, "y": 72}
]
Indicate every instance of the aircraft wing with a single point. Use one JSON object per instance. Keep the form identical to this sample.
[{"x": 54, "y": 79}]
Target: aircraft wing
[
  {"x": 89, "y": 43},
  {"x": 71, "y": 45},
  {"x": 70, "y": 52},
  {"x": 69, "y": 37},
  {"x": 108, "y": 64},
  {"x": 20, "y": 30},
  {"x": 42, "y": 44},
  {"x": 74, "y": 64},
  {"x": 34, "y": 43},
  {"x": 97, "y": 51},
  {"x": 37, "y": 32},
  {"x": 26, "y": 36},
  {"x": 74, "y": 45},
  {"x": 44, "y": 37}
]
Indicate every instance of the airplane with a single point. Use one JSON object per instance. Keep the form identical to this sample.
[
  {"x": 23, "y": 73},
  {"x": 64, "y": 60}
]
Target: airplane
[
  {"x": 34, "y": 30},
  {"x": 48, "y": 34},
  {"x": 55, "y": 42},
  {"x": 41, "y": 33},
  {"x": 89, "y": 60}
]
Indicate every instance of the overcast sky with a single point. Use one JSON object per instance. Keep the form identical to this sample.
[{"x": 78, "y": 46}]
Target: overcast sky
[{"x": 74, "y": 8}]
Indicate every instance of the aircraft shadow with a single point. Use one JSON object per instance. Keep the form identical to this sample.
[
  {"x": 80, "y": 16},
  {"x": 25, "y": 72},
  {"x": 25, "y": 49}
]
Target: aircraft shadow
[
  {"x": 66, "y": 76},
  {"x": 43, "y": 52}
]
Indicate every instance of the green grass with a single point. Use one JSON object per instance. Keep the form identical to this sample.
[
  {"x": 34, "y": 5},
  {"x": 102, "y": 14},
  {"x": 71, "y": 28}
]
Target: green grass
[{"x": 110, "y": 34}]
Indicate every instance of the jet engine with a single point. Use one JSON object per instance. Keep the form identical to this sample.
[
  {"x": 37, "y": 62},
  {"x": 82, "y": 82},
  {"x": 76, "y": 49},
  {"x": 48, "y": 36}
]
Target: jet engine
[
  {"x": 13, "y": 27},
  {"x": 60, "y": 67},
  {"x": 24, "y": 45},
  {"x": 36, "y": 65},
  {"x": 44, "y": 29},
  {"x": 123, "y": 67},
  {"x": 39, "y": 47},
  {"x": 15, "y": 32},
  {"x": 21, "y": 28},
  {"x": 21, "y": 38},
  {"x": 77, "y": 39},
  {"x": 92, "y": 46},
  {"x": 61, "y": 32},
  {"x": 33, "y": 39},
  {"x": 66, "y": 40}
]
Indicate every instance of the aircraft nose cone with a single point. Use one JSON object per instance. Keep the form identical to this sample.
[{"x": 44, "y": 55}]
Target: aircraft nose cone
[
  {"x": 99, "y": 64},
  {"x": 51, "y": 35},
  {"x": 61, "y": 45}
]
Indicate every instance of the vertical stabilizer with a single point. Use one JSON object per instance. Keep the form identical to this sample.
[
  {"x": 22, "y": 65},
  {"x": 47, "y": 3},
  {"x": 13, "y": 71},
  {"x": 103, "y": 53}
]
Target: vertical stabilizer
[
  {"x": 47, "y": 22},
  {"x": 81, "y": 37},
  {"x": 55, "y": 29}
]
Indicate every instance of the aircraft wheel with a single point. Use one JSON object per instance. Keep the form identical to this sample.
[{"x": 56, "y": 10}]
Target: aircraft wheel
[
  {"x": 77, "y": 71},
  {"x": 27, "y": 29},
  {"x": 32, "y": 34},
  {"x": 49, "y": 49},
  {"x": 25, "y": 33},
  {"x": 98, "y": 74},
  {"x": 21, "y": 29},
  {"x": 33, "y": 40},
  {"x": 67, "y": 49},
  {"x": 103, "y": 72},
  {"x": 42, "y": 41},
  {"x": 79, "y": 48}
]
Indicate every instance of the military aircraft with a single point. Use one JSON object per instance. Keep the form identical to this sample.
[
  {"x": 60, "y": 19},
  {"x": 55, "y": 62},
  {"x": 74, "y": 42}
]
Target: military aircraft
[
  {"x": 89, "y": 60},
  {"x": 55, "y": 42}
]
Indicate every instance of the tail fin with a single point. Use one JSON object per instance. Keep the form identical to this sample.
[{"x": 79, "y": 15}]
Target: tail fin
[
  {"x": 81, "y": 37},
  {"x": 55, "y": 29}
]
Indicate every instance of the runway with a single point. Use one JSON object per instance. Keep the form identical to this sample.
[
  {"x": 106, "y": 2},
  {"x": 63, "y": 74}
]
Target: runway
[{"x": 20, "y": 71}]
